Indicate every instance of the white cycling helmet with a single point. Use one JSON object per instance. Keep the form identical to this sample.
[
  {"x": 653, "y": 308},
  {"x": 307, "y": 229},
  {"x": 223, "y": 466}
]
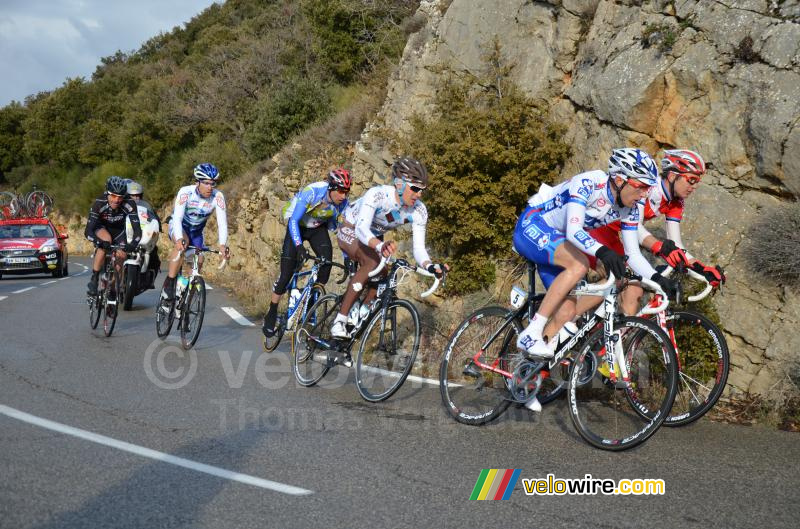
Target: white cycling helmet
[{"x": 633, "y": 163}]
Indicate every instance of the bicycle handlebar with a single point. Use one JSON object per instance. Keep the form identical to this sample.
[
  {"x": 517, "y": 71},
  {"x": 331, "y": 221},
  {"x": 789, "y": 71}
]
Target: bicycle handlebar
[
  {"x": 694, "y": 275},
  {"x": 375, "y": 271},
  {"x": 202, "y": 250},
  {"x": 421, "y": 271},
  {"x": 323, "y": 262}
]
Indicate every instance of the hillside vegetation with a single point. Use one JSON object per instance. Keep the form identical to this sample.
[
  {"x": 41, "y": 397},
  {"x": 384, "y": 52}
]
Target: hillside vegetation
[{"x": 232, "y": 87}]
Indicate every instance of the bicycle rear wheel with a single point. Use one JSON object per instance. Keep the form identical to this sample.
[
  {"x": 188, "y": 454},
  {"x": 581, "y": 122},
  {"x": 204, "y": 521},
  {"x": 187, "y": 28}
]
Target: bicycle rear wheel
[
  {"x": 95, "y": 305},
  {"x": 310, "y": 355},
  {"x": 111, "y": 308},
  {"x": 193, "y": 312},
  {"x": 621, "y": 415},
  {"x": 470, "y": 394},
  {"x": 387, "y": 352},
  {"x": 165, "y": 315},
  {"x": 703, "y": 364}
]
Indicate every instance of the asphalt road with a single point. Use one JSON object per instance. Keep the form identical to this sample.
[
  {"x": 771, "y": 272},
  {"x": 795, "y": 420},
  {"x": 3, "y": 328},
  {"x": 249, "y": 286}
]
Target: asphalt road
[{"x": 120, "y": 421}]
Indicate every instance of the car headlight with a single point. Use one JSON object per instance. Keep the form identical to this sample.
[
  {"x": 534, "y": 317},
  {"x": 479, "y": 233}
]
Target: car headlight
[{"x": 47, "y": 249}]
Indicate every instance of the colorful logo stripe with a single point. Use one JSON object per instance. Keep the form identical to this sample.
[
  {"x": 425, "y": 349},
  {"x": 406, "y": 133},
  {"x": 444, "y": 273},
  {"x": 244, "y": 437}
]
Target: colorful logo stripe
[{"x": 495, "y": 484}]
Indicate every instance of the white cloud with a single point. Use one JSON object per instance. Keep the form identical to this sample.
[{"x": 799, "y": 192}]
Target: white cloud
[{"x": 44, "y": 42}]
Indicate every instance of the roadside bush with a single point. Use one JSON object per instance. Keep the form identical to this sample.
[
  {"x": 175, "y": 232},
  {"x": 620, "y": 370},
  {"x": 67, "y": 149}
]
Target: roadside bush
[
  {"x": 488, "y": 147},
  {"x": 771, "y": 246}
]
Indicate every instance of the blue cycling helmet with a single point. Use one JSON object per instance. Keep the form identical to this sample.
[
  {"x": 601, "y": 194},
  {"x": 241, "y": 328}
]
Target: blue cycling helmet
[
  {"x": 633, "y": 163},
  {"x": 206, "y": 171},
  {"x": 116, "y": 185}
]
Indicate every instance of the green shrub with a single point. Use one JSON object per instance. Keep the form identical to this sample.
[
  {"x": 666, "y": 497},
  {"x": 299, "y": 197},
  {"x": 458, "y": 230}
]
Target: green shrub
[{"x": 488, "y": 147}]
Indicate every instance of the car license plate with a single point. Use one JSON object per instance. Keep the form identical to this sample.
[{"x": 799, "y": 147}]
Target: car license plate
[{"x": 18, "y": 260}]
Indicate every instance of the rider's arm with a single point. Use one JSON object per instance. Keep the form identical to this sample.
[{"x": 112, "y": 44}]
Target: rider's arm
[
  {"x": 576, "y": 214},
  {"x": 418, "y": 226},
  {"x": 222, "y": 218},
  {"x": 630, "y": 241},
  {"x": 94, "y": 217},
  {"x": 365, "y": 215},
  {"x": 301, "y": 204},
  {"x": 177, "y": 213}
]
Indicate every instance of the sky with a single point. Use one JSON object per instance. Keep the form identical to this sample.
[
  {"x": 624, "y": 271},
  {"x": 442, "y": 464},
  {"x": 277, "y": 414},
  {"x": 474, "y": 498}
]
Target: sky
[{"x": 44, "y": 42}]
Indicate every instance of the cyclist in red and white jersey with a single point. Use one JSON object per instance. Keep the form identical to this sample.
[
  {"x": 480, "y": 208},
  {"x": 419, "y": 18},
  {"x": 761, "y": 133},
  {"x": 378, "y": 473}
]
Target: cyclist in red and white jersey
[{"x": 681, "y": 173}]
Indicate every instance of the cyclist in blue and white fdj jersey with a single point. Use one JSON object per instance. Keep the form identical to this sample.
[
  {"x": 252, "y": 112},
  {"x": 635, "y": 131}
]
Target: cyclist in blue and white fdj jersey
[
  {"x": 309, "y": 215},
  {"x": 193, "y": 205},
  {"x": 550, "y": 232}
]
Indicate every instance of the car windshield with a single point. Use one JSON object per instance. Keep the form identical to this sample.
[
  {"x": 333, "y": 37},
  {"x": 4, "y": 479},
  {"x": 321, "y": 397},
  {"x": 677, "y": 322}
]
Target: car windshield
[{"x": 24, "y": 231}]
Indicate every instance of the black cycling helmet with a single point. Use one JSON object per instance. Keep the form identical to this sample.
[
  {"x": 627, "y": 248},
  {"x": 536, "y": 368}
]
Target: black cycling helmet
[
  {"x": 116, "y": 185},
  {"x": 410, "y": 170}
]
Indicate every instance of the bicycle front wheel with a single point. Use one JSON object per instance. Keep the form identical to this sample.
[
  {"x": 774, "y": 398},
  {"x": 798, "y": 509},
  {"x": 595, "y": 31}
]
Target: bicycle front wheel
[
  {"x": 388, "y": 349},
  {"x": 110, "y": 307},
  {"x": 621, "y": 415},
  {"x": 703, "y": 364},
  {"x": 165, "y": 315},
  {"x": 471, "y": 394},
  {"x": 310, "y": 353},
  {"x": 193, "y": 312},
  {"x": 95, "y": 308}
]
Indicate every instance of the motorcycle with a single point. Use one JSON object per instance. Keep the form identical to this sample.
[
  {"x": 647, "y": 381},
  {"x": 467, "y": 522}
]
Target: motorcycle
[{"x": 137, "y": 274}]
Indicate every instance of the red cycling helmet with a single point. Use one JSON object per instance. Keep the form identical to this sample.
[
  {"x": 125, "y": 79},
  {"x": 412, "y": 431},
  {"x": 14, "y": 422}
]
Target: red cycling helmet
[
  {"x": 683, "y": 161},
  {"x": 339, "y": 179}
]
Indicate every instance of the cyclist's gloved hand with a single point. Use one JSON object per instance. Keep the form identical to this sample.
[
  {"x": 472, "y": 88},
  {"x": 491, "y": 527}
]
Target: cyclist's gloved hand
[
  {"x": 614, "y": 262},
  {"x": 104, "y": 245},
  {"x": 302, "y": 253},
  {"x": 130, "y": 247},
  {"x": 437, "y": 269},
  {"x": 670, "y": 252},
  {"x": 715, "y": 275},
  {"x": 669, "y": 286}
]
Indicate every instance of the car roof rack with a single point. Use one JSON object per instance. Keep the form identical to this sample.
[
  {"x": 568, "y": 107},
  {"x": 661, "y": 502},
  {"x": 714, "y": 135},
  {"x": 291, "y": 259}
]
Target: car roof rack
[{"x": 36, "y": 204}]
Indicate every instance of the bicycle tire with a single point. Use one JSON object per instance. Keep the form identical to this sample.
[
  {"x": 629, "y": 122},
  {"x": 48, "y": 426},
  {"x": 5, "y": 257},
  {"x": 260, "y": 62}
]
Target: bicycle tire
[
  {"x": 387, "y": 364},
  {"x": 703, "y": 365},
  {"x": 194, "y": 310},
  {"x": 165, "y": 315},
  {"x": 95, "y": 302},
  {"x": 111, "y": 308},
  {"x": 271, "y": 343},
  {"x": 310, "y": 359},
  {"x": 471, "y": 395},
  {"x": 623, "y": 415},
  {"x": 131, "y": 273}
]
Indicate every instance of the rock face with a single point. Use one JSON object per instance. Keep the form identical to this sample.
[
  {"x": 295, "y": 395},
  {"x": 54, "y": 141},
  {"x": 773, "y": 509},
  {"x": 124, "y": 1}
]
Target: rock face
[{"x": 721, "y": 78}]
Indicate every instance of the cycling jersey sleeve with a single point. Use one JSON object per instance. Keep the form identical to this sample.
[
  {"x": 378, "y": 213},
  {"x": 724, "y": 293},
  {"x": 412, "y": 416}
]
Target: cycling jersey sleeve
[
  {"x": 94, "y": 216},
  {"x": 418, "y": 228},
  {"x": 177, "y": 213},
  {"x": 300, "y": 207},
  {"x": 365, "y": 215},
  {"x": 630, "y": 241},
  {"x": 133, "y": 218},
  {"x": 576, "y": 214},
  {"x": 222, "y": 218},
  {"x": 338, "y": 210}
]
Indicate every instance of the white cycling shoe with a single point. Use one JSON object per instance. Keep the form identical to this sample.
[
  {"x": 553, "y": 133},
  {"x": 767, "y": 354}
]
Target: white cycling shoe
[
  {"x": 534, "y": 346},
  {"x": 339, "y": 330},
  {"x": 533, "y": 404}
]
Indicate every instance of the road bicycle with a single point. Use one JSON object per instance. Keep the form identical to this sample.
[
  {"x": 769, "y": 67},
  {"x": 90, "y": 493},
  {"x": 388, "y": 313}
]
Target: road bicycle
[
  {"x": 619, "y": 393},
  {"x": 299, "y": 300},
  {"x": 387, "y": 330},
  {"x": 189, "y": 303},
  {"x": 109, "y": 286},
  {"x": 702, "y": 353}
]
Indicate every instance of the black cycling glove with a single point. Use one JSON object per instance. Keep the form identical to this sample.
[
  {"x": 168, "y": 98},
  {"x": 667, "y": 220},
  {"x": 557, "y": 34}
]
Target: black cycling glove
[
  {"x": 614, "y": 262},
  {"x": 436, "y": 269},
  {"x": 669, "y": 286}
]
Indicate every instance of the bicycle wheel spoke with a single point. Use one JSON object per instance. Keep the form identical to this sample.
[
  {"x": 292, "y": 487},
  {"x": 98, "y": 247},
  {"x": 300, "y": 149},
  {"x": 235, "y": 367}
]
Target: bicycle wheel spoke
[{"x": 310, "y": 356}]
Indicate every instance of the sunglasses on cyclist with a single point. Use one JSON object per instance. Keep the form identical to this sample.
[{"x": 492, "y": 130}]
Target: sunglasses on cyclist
[
  {"x": 207, "y": 182},
  {"x": 115, "y": 196},
  {"x": 691, "y": 179},
  {"x": 417, "y": 189},
  {"x": 637, "y": 184}
]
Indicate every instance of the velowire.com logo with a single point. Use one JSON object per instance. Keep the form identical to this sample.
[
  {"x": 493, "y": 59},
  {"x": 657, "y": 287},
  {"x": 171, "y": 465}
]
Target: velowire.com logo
[{"x": 495, "y": 484}]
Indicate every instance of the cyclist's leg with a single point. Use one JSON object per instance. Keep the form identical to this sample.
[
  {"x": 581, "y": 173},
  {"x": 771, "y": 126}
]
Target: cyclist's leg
[
  {"x": 367, "y": 258},
  {"x": 97, "y": 263},
  {"x": 321, "y": 244},
  {"x": 175, "y": 260},
  {"x": 288, "y": 265}
]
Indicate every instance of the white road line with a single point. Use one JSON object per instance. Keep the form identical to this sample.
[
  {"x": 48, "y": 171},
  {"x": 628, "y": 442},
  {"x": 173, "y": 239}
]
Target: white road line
[
  {"x": 3, "y": 297},
  {"x": 23, "y": 290},
  {"x": 238, "y": 318},
  {"x": 209, "y": 287},
  {"x": 49, "y": 282},
  {"x": 152, "y": 454},
  {"x": 413, "y": 378}
]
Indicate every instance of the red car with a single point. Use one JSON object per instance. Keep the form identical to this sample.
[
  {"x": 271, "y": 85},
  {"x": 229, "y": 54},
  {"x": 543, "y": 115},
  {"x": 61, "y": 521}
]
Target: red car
[{"x": 33, "y": 245}]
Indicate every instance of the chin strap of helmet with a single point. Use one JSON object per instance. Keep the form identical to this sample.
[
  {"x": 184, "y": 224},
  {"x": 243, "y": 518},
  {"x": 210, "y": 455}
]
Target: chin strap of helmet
[
  {"x": 672, "y": 185},
  {"x": 618, "y": 189}
]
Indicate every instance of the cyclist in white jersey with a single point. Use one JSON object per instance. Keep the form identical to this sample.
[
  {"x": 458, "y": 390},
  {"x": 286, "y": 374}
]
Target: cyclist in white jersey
[
  {"x": 380, "y": 209},
  {"x": 193, "y": 205},
  {"x": 550, "y": 232}
]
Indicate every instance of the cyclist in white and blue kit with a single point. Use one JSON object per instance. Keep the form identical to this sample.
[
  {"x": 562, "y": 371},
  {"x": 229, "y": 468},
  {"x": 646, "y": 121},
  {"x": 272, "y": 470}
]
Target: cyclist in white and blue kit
[
  {"x": 310, "y": 215},
  {"x": 550, "y": 232},
  {"x": 194, "y": 204}
]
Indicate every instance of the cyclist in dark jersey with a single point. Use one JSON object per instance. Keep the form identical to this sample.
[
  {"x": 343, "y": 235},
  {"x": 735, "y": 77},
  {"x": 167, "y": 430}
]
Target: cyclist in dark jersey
[{"x": 106, "y": 226}]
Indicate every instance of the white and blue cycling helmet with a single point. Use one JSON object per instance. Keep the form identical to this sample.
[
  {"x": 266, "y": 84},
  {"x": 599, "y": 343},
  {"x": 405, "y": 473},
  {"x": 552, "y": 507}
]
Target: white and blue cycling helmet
[
  {"x": 206, "y": 171},
  {"x": 633, "y": 163}
]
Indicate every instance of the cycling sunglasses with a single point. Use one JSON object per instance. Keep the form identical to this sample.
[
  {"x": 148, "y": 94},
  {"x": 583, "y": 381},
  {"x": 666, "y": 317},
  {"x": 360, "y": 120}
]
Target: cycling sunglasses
[
  {"x": 637, "y": 184},
  {"x": 692, "y": 179},
  {"x": 115, "y": 196},
  {"x": 416, "y": 189},
  {"x": 208, "y": 182}
]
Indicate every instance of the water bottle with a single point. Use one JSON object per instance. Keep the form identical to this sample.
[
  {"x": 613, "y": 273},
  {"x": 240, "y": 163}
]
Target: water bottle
[
  {"x": 294, "y": 297},
  {"x": 182, "y": 282},
  {"x": 353, "y": 315},
  {"x": 363, "y": 312},
  {"x": 566, "y": 333}
]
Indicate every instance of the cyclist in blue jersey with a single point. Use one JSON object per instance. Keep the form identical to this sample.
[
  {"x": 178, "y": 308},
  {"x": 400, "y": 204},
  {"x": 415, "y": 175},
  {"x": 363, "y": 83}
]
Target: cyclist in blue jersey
[
  {"x": 550, "y": 232},
  {"x": 309, "y": 215},
  {"x": 193, "y": 205}
]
